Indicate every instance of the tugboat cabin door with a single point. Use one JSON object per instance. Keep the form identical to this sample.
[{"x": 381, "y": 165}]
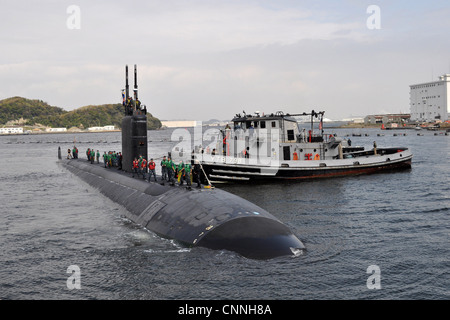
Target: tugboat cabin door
[{"x": 287, "y": 153}]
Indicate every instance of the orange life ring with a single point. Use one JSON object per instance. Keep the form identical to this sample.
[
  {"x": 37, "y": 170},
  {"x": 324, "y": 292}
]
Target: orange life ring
[{"x": 317, "y": 157}]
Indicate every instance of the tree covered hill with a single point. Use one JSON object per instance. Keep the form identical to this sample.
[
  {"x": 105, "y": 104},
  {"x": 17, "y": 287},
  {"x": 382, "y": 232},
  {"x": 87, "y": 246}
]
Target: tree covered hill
[
  {"x": 34, "y": 112},
  {"x": 15, "y": 108}
]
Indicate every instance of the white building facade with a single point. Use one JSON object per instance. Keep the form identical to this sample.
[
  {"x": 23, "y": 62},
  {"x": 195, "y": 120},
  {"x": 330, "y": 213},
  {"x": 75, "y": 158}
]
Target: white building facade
[
  {"x": 55, "y": 130},
  {"x": 11, "y": 130},
  {"x": 179, "y": 123},
  {"x": 105, "y": 128},
  {"x": 430, "y": 101}
]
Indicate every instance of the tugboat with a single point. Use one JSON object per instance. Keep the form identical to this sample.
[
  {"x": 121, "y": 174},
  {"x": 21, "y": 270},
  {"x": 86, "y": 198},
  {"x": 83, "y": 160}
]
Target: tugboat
[{"x": 275, "y": 146}]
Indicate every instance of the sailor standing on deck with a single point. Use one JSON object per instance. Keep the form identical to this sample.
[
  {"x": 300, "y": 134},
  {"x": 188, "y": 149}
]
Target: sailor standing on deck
[
  {"x": 196, "y": 173},
  {"x": 181, "y": 172},
  {"x": 303, "y": 135},
  {"x": 170, "y": 171},
  {"x": 120, "y": 160},
  {"x": 151, "y": 169},
  {"x": 143, "y": 168},
  {"x": 135, "y": 167},
  {"x": 164, "y": 169},
  {"x": 105, "y": 158},
  {"x": 187, "y": 173}
]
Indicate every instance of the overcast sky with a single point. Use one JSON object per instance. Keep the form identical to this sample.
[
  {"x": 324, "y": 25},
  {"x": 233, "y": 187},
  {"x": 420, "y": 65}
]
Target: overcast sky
[{"x": 209, "y": 59}]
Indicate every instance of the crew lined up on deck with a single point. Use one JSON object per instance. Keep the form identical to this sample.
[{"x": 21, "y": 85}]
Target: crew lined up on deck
[{"x": 170, "y": 172}]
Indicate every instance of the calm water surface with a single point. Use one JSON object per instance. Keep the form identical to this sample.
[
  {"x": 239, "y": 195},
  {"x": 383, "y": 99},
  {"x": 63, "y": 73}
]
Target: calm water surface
[{"x": 400, "y": 222}]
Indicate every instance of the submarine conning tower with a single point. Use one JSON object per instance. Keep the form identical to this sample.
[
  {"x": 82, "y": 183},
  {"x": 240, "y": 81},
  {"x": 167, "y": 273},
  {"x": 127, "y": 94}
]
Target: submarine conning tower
[{"x": 134, "y": 125}]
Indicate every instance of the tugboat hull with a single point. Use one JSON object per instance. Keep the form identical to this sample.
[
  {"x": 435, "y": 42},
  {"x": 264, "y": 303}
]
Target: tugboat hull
[{"x": 224, "y": 169}]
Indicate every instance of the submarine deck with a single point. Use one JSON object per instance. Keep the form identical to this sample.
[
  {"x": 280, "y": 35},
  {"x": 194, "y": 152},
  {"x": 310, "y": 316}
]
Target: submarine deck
[{"x": 211, "y": 218}]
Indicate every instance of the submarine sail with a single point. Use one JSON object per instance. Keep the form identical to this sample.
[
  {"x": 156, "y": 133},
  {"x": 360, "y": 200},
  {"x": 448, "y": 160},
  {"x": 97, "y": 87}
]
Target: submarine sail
[{"x": 134, "y": 126}]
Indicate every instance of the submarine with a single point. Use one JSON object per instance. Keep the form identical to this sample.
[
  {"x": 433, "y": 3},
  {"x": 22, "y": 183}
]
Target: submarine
[{"x": 205, "y": 217}]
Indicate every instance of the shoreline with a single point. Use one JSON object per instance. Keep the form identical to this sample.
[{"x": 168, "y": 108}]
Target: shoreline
[
  {"x": 442, "y": 127},
  {"x": 56, "y": 132}
]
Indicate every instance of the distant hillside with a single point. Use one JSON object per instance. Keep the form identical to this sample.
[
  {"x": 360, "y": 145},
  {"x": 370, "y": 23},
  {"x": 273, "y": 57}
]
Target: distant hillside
[
  {"x": 13, "y": 109},
  {"x": 38, "y": 112}
]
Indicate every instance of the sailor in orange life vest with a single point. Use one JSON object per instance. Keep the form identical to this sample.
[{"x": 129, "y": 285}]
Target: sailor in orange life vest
[
  {"x": 135, "y": 167},
  {"x": 151, "y": 170},
  {"x": 143, "y": 168}
]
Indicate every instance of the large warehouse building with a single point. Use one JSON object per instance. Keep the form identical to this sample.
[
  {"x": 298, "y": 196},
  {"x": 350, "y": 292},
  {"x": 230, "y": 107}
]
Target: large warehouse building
[{"x": 430, "y": 101}]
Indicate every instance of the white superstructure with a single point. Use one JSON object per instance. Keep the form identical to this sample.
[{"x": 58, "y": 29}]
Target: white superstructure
[{"x": 430, "y": 101}]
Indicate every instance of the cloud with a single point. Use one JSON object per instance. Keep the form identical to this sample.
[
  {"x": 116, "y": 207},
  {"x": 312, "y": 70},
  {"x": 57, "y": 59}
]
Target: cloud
[{"x": 210, "y": 59}]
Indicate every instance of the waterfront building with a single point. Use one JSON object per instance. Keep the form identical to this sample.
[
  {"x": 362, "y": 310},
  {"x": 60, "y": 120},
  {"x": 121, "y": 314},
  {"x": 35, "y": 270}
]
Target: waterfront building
[
  {"x": 11, "y": 130},
  {"x": 56, "y": 130},
  {"x": 387, "y": 118},
  {"x": 104, "y": 128},
  {"x": 430, "y": 101},
  {"x": 179, "y": 123}
]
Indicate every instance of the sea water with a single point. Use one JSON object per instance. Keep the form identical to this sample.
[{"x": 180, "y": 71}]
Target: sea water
[{"x": 380, "y": 236}]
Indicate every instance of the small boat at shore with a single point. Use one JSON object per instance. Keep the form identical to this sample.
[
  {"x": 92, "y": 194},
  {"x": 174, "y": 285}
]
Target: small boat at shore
[{"x": 275, "y": 146}]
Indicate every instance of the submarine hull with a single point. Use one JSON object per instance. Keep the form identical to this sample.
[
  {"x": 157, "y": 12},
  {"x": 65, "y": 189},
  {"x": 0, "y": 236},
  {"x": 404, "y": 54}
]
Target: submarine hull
[
  {"x": 253, "y": 237},
  {"x": 210, "y": 218}
]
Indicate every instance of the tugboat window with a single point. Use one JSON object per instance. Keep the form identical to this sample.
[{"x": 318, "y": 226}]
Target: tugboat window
[
  {"x": 263, "y": 124},
  {"x": 274, "y": 124},
  {"x": 291, "y": 135}
]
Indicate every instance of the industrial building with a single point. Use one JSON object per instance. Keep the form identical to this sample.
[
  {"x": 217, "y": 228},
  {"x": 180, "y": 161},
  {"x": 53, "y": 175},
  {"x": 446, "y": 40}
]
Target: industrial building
[
  {"x": 104, "y": 128},
  {"x": 430, "y": 101},
  {"x": 179, "y": 123},
  {"x": 55, "y": 129},
  {"x": 387, "y": 118},
  {"x": 11, "y": 130}
]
